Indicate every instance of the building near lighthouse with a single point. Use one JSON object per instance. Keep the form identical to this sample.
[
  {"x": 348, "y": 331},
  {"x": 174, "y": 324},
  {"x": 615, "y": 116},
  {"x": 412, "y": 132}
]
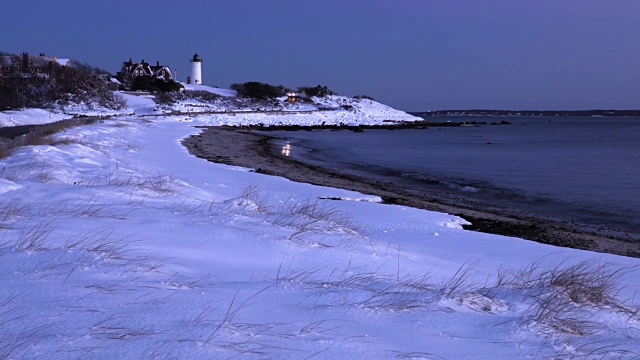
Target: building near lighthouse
[{"x": 196, "y": 70}]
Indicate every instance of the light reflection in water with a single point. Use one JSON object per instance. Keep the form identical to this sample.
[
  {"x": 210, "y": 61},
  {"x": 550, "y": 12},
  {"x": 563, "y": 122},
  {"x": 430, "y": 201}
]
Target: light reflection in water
[{"x": 286, "y": 150}]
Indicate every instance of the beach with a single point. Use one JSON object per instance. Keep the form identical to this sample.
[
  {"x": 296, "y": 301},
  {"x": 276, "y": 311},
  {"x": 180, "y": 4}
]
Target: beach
[{"x": 246, "y": 148}]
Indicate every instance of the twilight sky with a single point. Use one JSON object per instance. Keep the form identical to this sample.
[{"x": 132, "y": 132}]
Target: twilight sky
[{"x": 411, "y": 54}]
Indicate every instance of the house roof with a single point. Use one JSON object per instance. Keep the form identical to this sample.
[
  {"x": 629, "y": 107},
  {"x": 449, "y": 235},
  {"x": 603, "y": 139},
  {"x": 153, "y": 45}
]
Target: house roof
[
  {"x": 61, "y": 62},
  {"x": 138, "y": 66},
  {"x": 9, "y": 60},
  {"x": 154, "y": 70}
]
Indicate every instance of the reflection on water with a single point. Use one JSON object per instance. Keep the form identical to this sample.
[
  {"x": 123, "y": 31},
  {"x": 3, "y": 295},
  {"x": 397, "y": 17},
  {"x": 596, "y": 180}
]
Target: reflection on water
[{"x": 286, "y": 150}]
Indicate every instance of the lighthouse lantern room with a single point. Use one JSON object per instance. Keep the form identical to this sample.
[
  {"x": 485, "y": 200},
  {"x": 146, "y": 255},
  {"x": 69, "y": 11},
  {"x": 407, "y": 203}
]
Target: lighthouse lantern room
[{"x": 196, "y": 69}]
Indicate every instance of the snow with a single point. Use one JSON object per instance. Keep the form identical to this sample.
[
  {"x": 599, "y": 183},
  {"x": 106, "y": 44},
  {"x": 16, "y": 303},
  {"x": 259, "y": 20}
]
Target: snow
[
  {"x": 63, "y": 62},
  {"x": 92, "y": 109},
  {"x": 330, "y": 110},
  {"x": 333, "y": 117},
  {"x": 117, "y": 243},
  {"x": 140, "y": 105},
  {"x": 213, "y": 90},
  {"x": 30, "y": 117}
]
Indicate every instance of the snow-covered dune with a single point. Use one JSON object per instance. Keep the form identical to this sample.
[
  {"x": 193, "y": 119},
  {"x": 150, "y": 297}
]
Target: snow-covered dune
[
  {"x": 30, "y": 117},
  {"x": 41, "y": 116},
  {"x": 118, "y": 244}
]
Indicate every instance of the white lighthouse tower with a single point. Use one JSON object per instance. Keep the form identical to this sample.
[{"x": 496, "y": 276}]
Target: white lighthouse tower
[{"x": 196, "y": 69}]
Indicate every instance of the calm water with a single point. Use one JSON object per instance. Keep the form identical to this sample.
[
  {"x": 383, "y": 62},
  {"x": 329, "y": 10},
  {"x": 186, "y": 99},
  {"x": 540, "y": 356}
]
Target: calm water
[{"x": 582, "y": 169}]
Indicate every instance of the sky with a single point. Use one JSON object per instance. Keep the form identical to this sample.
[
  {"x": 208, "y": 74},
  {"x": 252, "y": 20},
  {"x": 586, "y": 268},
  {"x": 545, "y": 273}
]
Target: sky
[{"x": 415, "y": 55}]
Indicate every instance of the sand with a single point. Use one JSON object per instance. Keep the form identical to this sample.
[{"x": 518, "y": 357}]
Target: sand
[{"x": 245, "y": 148}]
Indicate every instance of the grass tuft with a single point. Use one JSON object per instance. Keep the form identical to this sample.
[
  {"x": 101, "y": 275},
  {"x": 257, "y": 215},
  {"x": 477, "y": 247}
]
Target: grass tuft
[{"x": 34, "y": 239}]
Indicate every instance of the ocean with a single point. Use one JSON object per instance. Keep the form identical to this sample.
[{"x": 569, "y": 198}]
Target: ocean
[{"x": 576, "y": 169}]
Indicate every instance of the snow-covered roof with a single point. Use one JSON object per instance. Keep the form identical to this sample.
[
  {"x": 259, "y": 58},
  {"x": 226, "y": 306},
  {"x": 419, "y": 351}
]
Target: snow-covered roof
[
  {"x": 157, "y": 69},
  {"x": 37, "y": 61},
  {"x": 148, "y": 70},
  {"x": 61, "y": 62}
]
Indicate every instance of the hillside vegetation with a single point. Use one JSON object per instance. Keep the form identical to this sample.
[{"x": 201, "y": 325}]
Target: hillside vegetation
[
  {"x": 258, "y": 90},
  {"x": 51, "y": 86}
]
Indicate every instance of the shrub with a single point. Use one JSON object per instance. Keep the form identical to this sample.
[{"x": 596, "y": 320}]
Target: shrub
[
  {"x": 318, "y": 91},
  {"x": 147, "y": 83},
  {"x": 364, "y": 97},
  {"x": 258, "y": 90},
  {"x": 166, "y": 98},
  {"x": 173, "y": 97}
]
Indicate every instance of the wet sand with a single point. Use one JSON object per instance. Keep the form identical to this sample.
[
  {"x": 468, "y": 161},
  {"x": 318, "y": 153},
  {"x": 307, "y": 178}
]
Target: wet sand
[{"x": 239, "y": 147}]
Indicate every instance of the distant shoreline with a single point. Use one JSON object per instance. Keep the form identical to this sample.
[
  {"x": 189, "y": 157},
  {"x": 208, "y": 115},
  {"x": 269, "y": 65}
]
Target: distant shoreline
[
  {"x": 528, "y": 113},
  {"x": 233, "y": 146}
]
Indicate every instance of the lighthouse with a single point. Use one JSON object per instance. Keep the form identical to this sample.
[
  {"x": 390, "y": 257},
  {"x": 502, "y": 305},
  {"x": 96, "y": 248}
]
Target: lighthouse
[{"x": 196, "y": 69}]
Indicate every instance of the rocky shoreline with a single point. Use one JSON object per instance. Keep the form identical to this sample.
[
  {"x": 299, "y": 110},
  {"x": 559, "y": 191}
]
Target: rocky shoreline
[{"x": 239, "y": 147}]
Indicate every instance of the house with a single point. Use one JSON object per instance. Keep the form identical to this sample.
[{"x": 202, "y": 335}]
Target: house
[
  {"x": 131, "y": 70},
  {"x": 66, "y": 63},
  {"x": 162, "y": 72},
  {"x": 111, "y": 82},
  {"x": 114, "y": 84},
  {"x": 25, "y": 64}
]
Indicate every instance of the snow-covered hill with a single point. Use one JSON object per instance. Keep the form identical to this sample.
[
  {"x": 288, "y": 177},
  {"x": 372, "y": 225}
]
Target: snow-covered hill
[{"x": 329, "y": 110}]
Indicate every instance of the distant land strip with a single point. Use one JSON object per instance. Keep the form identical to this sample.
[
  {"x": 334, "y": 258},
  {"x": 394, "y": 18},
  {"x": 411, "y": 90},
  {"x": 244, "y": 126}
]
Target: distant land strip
[{"x": 593, "y": 113}]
